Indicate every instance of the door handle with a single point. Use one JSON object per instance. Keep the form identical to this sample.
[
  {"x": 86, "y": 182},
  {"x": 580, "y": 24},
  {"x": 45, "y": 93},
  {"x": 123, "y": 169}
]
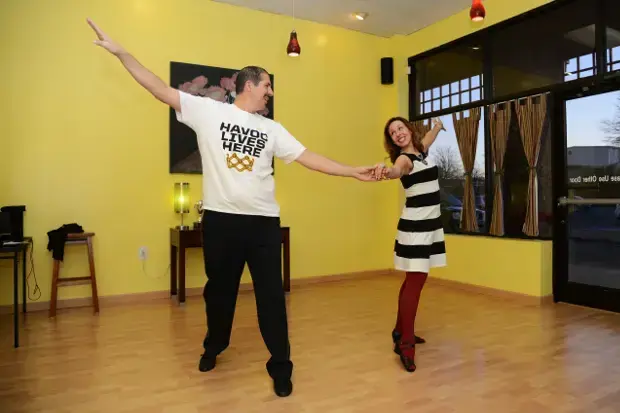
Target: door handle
[{"x": 563, "y": 201}]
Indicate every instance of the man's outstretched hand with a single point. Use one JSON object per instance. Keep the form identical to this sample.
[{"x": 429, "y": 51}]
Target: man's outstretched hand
[
  {"x": 147, "y": 79},
  {"x": 104, "y": 40}
]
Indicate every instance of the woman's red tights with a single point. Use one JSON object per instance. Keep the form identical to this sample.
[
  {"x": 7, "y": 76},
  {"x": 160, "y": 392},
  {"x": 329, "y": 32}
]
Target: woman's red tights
[{"x": 408, "y": 301}]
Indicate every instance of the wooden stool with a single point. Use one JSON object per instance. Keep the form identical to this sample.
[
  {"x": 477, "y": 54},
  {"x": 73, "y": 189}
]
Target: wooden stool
[{"x": 78, "y": 238}]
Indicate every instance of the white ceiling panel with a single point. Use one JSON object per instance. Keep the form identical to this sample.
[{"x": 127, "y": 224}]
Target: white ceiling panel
[{"x": 385, "y": 17}]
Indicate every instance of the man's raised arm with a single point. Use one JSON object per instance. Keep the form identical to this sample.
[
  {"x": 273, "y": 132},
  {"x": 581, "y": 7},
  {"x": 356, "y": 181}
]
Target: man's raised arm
[{"x": 143, "y": 76}]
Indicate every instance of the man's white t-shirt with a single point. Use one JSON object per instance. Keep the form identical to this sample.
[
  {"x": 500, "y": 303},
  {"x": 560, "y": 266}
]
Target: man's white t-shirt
[{"x": 237, "y": 148}]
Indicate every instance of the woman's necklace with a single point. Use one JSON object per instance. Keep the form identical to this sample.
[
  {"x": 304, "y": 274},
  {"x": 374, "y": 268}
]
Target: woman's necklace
[{"x": 420, "y": 158}]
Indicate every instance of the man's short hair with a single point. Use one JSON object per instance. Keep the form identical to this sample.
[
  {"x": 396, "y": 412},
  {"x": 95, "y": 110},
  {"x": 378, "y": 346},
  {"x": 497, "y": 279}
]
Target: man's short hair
[{"x": 251, "y": 73}]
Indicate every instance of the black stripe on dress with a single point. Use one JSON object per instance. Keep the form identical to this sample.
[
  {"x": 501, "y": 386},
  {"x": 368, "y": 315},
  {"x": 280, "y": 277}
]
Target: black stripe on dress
[
  {"x": 424, "y": 225},
  {"x": 424, "y": 200},
  {"x": 419, "y": 251},
  {"x": 425, "y": 175}
]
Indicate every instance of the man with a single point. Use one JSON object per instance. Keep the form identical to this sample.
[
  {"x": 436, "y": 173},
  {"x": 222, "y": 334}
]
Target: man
[{"x": 241, "y": 216}]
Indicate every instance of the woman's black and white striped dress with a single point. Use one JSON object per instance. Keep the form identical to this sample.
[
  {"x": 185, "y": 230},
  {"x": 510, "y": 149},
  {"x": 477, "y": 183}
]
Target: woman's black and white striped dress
[{"x": 420, "y": 243}]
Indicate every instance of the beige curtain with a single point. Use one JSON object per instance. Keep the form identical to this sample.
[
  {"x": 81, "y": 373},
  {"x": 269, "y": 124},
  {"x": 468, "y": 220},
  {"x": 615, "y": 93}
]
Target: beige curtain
[
  {"x": 422, "y": 127},
  {"x": 531, "y": 113},
  {"x": 499, "y": 121},
  {"x": 466, "y": 129}
]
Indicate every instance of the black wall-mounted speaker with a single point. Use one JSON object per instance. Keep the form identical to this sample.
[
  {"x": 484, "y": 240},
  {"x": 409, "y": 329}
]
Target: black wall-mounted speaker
[{"x": 387, "y": 71}]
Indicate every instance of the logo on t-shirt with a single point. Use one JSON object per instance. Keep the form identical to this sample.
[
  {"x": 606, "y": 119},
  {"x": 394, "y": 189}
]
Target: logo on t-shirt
[
  {"x": 240, "y": 164},
  {"x": 245, "y": 143}
]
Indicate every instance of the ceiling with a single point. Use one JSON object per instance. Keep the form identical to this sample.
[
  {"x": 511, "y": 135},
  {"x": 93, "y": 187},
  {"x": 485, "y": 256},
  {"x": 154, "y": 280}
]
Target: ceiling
[{"x": 385, "y": 17}]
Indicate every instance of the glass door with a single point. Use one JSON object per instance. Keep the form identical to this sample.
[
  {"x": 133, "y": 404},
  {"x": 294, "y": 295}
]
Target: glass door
[{"x": 587, "y": 168}]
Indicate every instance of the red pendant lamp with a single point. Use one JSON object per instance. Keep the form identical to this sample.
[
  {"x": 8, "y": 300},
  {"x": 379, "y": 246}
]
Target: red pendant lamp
[
  {"x": 293, "y": 48},
  {"x": 477, "y": 12}
]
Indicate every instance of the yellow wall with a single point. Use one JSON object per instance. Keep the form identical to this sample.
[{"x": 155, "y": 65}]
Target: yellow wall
[
  {"x": 4, "y": 138},
  {"x": 521, "y": 266},
  {"x": 88, "y": 145}
]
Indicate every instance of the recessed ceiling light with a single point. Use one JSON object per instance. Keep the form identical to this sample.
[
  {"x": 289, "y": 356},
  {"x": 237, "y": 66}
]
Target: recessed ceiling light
[{"x": 360, "y": 16}]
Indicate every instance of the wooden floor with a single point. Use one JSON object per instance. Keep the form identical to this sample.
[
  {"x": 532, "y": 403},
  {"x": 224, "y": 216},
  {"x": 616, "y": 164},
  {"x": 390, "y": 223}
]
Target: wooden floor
[{"x": 483, "y": 355}]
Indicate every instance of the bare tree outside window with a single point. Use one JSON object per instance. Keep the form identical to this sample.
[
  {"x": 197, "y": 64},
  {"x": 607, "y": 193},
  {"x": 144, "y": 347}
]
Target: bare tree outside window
[
  {"x": 611, "y": 127},
  {"x": 448, "y": 161}
]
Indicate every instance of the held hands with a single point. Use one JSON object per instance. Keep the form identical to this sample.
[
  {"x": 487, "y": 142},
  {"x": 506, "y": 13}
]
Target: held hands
[
  {"x": 364, "y": 173},
  {"x": 381, "y": 172},
  {"x": 104, "y": 40},
  {"x": 378, "y": 172}
]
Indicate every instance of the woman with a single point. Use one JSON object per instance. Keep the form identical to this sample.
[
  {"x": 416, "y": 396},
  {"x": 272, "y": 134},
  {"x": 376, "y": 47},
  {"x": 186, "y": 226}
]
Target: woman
[{"x": 419, "y": 242}]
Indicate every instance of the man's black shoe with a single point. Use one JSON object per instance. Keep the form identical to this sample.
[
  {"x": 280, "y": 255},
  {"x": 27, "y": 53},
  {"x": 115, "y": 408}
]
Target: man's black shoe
[
  {"x": 206, "y": 363},
  {"x": 282, "y": 386}
]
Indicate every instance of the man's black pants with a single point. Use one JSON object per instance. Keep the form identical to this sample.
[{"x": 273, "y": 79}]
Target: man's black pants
[{"x": 229, "y": 241}]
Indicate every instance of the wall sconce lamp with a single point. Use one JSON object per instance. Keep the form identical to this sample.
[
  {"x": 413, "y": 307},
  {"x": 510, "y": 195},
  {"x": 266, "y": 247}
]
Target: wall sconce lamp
[{"x": 181, "y": 202}]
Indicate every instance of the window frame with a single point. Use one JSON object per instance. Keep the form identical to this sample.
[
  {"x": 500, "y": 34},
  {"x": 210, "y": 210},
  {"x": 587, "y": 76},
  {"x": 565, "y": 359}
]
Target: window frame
[{"x": 483, "y": 37}]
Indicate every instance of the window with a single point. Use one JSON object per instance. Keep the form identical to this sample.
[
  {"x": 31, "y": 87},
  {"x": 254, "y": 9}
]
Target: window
[
  {"x": 612, "y": 14},
  {"x": 531, "y": 54},
  {"x": 544, "y": 50},
  {"x": 516, "y": 180},
  {"x": 580, "y": 67},
  {"x": 457, "y": 93},
  {"x": 449, "y": 79},
  {"x": 613, "y": 59},
  {"x": 446, "y": 155}
]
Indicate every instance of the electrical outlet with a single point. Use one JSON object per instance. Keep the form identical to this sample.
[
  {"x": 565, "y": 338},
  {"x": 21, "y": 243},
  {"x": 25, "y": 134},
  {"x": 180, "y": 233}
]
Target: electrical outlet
[{"x": 142, "y": 253}]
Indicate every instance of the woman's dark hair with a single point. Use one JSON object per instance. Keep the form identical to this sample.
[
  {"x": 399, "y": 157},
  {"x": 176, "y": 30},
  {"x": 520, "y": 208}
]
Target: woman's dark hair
[{"x": 391, "y": 148}]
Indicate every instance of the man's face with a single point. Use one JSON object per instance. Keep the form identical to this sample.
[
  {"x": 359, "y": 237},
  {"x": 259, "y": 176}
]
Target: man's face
[{"x": 261, "y": 93}]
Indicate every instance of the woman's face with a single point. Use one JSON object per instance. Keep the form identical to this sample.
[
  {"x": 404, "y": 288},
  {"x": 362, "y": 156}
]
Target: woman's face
[{"x": 400, "y": 134}]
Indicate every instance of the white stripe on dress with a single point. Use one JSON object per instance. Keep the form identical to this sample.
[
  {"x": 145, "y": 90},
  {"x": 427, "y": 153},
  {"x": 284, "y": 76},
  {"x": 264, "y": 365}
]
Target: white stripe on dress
[
  {"x": 420, "y": 264},
  {"x": 421, "y": 213},
  {"x": 420, "y": 238},
  {"x": 422, "y": 188}
]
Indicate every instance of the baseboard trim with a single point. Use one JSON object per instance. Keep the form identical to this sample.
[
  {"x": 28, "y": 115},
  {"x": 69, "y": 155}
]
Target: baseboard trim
[
  {"x": 296, "y": 283},
  {"x": 140, "y": 298},
  {"x": 104, "y": 301},
  {"x": 493, "y": 292}
]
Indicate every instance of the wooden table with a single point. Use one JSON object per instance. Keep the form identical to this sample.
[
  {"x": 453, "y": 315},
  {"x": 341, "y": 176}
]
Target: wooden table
[{"x": 180, "y": 240}]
